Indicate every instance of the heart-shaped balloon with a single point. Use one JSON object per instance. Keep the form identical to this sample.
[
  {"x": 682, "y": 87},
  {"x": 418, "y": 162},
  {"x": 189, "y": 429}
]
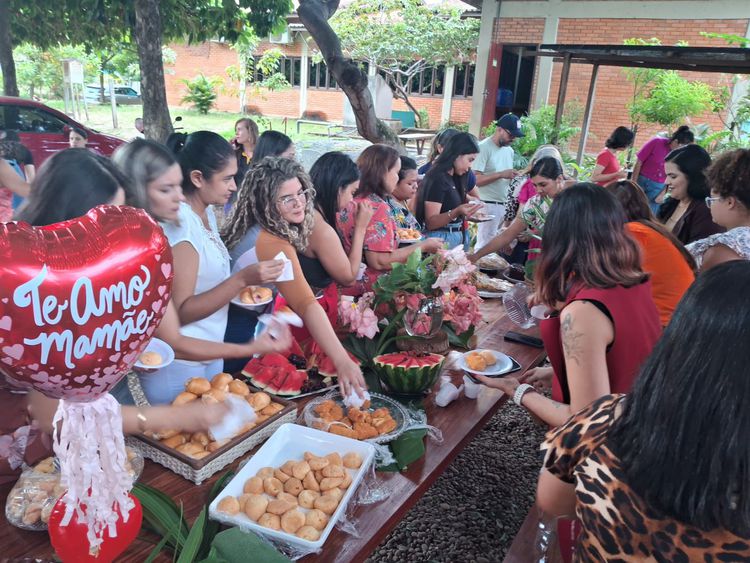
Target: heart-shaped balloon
[
  {"x": 79, "y": 300},
  {"x": 72, "y": 545}
]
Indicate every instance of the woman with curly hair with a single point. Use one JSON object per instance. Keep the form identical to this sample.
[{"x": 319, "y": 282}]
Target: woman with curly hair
[
  {"x": 604, "y": 322},
  {"x": 378, "y": 166},
  {"x": 280, "y": 201},
  {"x": 729, "y": 203},
  {"x": 685, "y": 212}
]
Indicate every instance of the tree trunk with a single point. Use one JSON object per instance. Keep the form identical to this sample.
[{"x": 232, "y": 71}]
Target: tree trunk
[
  {"x": 314, "y": 14},
  {"x": 8, "y": 65},
  {"x": 148, "y": 30}
]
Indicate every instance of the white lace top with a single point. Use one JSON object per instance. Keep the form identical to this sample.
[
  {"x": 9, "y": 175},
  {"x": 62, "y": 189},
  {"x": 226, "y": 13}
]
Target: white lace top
[
  {"x": 737, "y": 239},
  {"x": 213, "y": 266}
]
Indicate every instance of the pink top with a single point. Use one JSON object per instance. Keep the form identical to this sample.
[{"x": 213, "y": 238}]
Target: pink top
[
  {"x": 652, "y": 156},
  {"x": 609, "y": 162},
  {"x": 526, "y": 192}
]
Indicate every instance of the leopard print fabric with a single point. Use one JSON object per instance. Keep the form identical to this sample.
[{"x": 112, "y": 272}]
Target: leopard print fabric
[{"x": 617, "y": 524}]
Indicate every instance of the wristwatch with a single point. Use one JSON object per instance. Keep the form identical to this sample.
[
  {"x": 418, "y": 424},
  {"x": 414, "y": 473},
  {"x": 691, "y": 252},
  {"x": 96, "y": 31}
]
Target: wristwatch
[{"x": 520, "y": 392}]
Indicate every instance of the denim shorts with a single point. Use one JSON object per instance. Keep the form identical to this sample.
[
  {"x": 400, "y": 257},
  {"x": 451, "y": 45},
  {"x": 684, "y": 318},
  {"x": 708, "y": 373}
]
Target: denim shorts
[{"x": 652, "y": 189}]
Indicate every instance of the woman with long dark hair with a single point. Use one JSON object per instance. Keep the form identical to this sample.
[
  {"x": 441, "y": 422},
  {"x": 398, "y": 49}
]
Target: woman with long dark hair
[
  {"x": 665, "y": 258},
  {"x": 442, "y": 202},
  {"x": 273, "y": 143},
  {"x": 607, "y": 168},
  {"x": 548, "y": 179},
  {"x": 685, "y": 213},
  {"x": 603, "y": 321},
  {"x": 660, "y": 474},
  {"x": 378, "y": 167},
  {"x": 402, "y": 198},
  {"x": 729, "y": 203}
]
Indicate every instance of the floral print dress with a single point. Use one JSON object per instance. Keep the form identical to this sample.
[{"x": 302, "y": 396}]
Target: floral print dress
[
  {"x": 380, "y": 236},
  {"x": 534, "y": 214},
  {"x": 737, "y": 239}
]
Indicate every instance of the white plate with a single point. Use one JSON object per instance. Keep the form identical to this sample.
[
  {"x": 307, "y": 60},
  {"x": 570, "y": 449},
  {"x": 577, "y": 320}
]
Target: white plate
[
  {"x": 251, "y": 306},
  {"x": 502, "y": 365},
  {"x": 481, "y": 218},
  {"x": 409, "y": 240},
  {"x": 291, "y": 441},
  {"x": 161, "y": 348},
  {"x": 490, "y": 294}
]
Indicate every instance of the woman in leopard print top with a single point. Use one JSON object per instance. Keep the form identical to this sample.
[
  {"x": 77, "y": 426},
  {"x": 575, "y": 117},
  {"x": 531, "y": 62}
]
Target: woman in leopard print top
[{"x": 661, "y": 474}]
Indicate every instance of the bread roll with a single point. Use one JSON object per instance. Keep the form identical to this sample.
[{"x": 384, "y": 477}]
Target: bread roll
[
  {"x": 254, "y": 486},
  {"x": 265, "y": 472},
  {"x": 308, "y": 533},
  {"x": 184, "y": 398},
  {"x": 281, "y": 476},
  {"x": 291, "y": 499},
  {"x": 255, "y": 507},
  {"x": 293, "y": 486},
  {"x": 335, "y": 493},
  {"x": 318, "y": 463},
  {"x": 330, "y": 483},
  {"x": 272, "y": 486},
  {"x": 174, "y": 441},
  {"x": 306, "y": 498},
  {"x": 271, "y": 521},
  {"x": 221, "y": 380},
  {"x": 239, "y": 388},
  {"x": 292, "y": 521},
  {"x": 309, "y": 482},
  {"x": 316, "y": 518},
  {"x": 333, "y": 471},
  {"x": 198, "y": 385},
  {"x": 151, "y": 359},
  {"x": 279, "y": 507},
  {"x": 352, "y": 460},
  {"x": 229, "y": 505},
  {"x": 300, "y": 470},
  {"x": 259, "y": 400}
]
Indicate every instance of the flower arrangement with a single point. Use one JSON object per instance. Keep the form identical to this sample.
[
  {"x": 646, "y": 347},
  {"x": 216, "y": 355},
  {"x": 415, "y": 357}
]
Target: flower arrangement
[{"x": 400, "y": 294}]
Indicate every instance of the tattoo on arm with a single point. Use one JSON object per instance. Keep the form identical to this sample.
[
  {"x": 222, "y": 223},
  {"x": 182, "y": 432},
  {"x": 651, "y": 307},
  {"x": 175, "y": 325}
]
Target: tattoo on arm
[{"x": 571, "y": 340}]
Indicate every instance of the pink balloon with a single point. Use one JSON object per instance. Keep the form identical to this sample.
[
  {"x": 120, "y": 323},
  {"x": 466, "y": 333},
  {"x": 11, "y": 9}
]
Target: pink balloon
[{"x": 79, "y": 300}]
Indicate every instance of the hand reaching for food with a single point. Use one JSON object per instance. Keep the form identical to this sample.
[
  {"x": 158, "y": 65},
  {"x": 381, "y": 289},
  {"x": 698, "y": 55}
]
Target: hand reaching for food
[{"x": 262, "y": 272}]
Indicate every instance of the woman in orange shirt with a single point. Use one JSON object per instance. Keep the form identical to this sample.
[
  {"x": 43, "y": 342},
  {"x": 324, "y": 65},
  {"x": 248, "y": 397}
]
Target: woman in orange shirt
[{"x": 671, "y": 266}]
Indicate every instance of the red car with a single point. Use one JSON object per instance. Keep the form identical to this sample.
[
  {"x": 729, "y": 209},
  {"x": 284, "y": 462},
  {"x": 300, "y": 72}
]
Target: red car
[{"x": 45, "y": 130}]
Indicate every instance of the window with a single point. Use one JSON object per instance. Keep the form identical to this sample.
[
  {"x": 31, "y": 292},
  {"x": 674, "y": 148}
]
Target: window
[
  {"x": 319, "y": 77},
  {"x": 463, "y": 84},
  {"x": 32, "y": 120}
]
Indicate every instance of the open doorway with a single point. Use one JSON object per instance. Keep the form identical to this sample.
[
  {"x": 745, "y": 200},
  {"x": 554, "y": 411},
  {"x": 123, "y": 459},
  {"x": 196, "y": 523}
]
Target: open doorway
[{"x": 516, "y": 80}]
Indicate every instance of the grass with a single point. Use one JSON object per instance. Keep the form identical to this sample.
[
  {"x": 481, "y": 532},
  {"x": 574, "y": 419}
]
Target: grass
[{"x": 221, "y": 122}]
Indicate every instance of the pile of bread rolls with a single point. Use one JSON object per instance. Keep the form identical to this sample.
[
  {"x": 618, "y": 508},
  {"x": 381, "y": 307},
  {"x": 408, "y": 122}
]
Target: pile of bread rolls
[
  {"x": 298, "y": 497},
  {"x": 200, "y": 444}
]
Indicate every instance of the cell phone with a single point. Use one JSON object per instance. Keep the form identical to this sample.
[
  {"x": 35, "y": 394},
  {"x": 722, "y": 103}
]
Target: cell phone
[
  {"x": 524, "y": 339},
  {"x": 516, "y": 367}
]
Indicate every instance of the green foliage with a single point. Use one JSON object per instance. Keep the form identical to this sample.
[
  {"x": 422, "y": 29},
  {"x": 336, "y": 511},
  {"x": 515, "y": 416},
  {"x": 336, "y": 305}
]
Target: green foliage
[
  {"x": 201, "y": 92},
  {"x": 641, "y": 78},
  {"x": 459, "y": 126},
  {"x": 39, "y": 72},
  {"x": 672, "y": 99},
  {"x": 404, "y": 37},
  {"x": 539, "y": 128},
  {"x": 424, "y": 117},
  {"x": 413, "y": 276},
  {"x": 730, "y": 38}
]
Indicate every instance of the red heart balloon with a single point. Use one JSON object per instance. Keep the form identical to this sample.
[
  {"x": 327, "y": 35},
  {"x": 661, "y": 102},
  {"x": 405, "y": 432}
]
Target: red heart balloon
[
  {"x": 72, "y": 545},
  {"x": 79, "y": 300}
]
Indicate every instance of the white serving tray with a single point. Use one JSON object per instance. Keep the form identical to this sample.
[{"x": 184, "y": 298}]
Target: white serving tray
[{"x": 291, "y": 441}]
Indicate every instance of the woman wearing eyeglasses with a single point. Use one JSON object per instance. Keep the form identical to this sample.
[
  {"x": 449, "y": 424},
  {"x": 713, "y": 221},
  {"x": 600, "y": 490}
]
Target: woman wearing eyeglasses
[
  {"x": 281, "y": 202},
  {"x": 685, "y": 213},
  {"x": 729, "y": 204}
]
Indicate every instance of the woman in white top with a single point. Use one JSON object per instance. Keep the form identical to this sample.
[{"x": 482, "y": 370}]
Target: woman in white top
[
  {"x": 729, "y": 179},
  {"x": 202, "y": 286}
]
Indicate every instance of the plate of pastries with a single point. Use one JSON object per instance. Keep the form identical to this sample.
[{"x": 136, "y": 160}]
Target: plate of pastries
[
  {"x": 254, "y": 298},
  {"x": 485, "y": 362},
  {"x": 408, "y": 236}
]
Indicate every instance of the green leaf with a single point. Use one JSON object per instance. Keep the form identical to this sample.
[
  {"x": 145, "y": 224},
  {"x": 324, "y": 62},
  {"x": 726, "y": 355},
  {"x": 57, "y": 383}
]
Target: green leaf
[
  {"x": 193, "y": 543},
  {"x": 235, "y": 546}
]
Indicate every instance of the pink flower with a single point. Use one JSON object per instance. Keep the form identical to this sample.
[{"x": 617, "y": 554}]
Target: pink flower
[
  {"x": 367, "y": 324},
  {"x": 413, "y": 299},
  {"x": 454, "y": 269},
  {"x": 359, "y": 316},
  {"x": 462, "y": 309}
]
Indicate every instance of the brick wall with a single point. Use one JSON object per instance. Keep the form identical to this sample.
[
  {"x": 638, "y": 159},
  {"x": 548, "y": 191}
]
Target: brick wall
[
  {"x": 613, "y": 91},
  {"x": 518, "y": 30},
  {"x": 213, "y": 58}
]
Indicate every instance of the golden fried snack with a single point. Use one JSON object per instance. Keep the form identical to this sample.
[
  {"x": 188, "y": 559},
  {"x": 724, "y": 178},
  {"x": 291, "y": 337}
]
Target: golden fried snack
[
  {"x": 200, "y": 455},
  {"x": 271, "y": 521},
  {"x": 184, "y": 398},
  {"x": 333, "y": 471},
  {"x": 335, "y": 459},
  {"x": 352, "y": 460},
  {"x": 174, "y": 441},
  {"x": 213, "y": 446},
  {"x": 347, "y": 481},
  {"x": 291, "y": 499},
  {"x": 259, "y": 400},
  {"x": 355, "y": 415},
  {"x": 265, "y": 472},
  {"x": 292, "y": 521},
  {"x": 150, "y": 359},
  {"x": 309, "y": 482},
  {"x": 189, "y": 448},
  {"x": 272, "y": 486},
  {"x": 288, "y": 467},
  {"x": 221, "y": 381},
  {"x": 279, "y": 507},
  {"x": 300, "y": 469},
  {"x": 293, "y": 486},
  {"x": 229, "y": 505},
  {"x": 385, "y": 425},
  {"x": 342, "y": 429},
  {"x": 330, "y": 483},
  {"x": 326, "y": 504},
  {"x": 306, "y": 498},
  {"x": 488, "y": 357},
  {"x": 476, "y": 362},
  {"x": 255, "y": 506},
  {"x": 364, "y": 431},
  {"x": 307, "y": 456},
  {"x": 272, "y": 409},
  {"x": 336, "y": 493},
  {"x": 200, "y": 438},
  {"x": 239, "y": 388},
  {"x": 316, "y": 518},
  {"x": 242, "y": 499},
  {"x": 281, "y": 476},
  {"x": 215, "y": 395},
  {"x": 324, "y": 408},
  {"x": 308, "y": 533},
  {"x": 317, "y": 463},
  {"x": 254, "y": 485},
  {"x": 198, "y": 385}
]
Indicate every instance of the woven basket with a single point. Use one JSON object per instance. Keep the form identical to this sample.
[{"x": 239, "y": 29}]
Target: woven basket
[{"x": 198, "y": 470}]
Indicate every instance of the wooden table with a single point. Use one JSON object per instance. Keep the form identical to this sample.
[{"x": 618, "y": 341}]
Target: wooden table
[
  {"x": 418, "y": 138},
  {"x": 459, "y": 423}
]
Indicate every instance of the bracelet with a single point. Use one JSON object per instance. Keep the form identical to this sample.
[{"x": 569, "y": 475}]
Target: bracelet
[
  {"x": 520, "y": 391},
  {"x": 142, "y": 420}
]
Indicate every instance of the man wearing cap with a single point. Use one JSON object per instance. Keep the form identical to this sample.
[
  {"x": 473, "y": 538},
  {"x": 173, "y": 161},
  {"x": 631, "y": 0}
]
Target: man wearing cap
[{"x": 494, "y": 170}]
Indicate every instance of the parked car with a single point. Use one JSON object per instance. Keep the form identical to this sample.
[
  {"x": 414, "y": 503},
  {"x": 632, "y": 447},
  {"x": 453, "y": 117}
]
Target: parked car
[
  {"x": 45, "y": 130},
  {"x": 124, "y": 95}
]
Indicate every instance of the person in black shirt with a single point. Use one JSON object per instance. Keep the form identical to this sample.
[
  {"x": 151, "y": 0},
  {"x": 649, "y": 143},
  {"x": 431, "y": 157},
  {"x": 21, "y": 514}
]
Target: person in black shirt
[{"x": 442, "y": 202}]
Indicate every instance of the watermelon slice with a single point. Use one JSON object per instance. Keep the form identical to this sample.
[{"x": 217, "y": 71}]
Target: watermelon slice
[
  {"x": 274, "y": 359},
  {"x": 277, "y": 381},
  {"x": 293, "y": 383},
  {"x": 408, "y": 373}
]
